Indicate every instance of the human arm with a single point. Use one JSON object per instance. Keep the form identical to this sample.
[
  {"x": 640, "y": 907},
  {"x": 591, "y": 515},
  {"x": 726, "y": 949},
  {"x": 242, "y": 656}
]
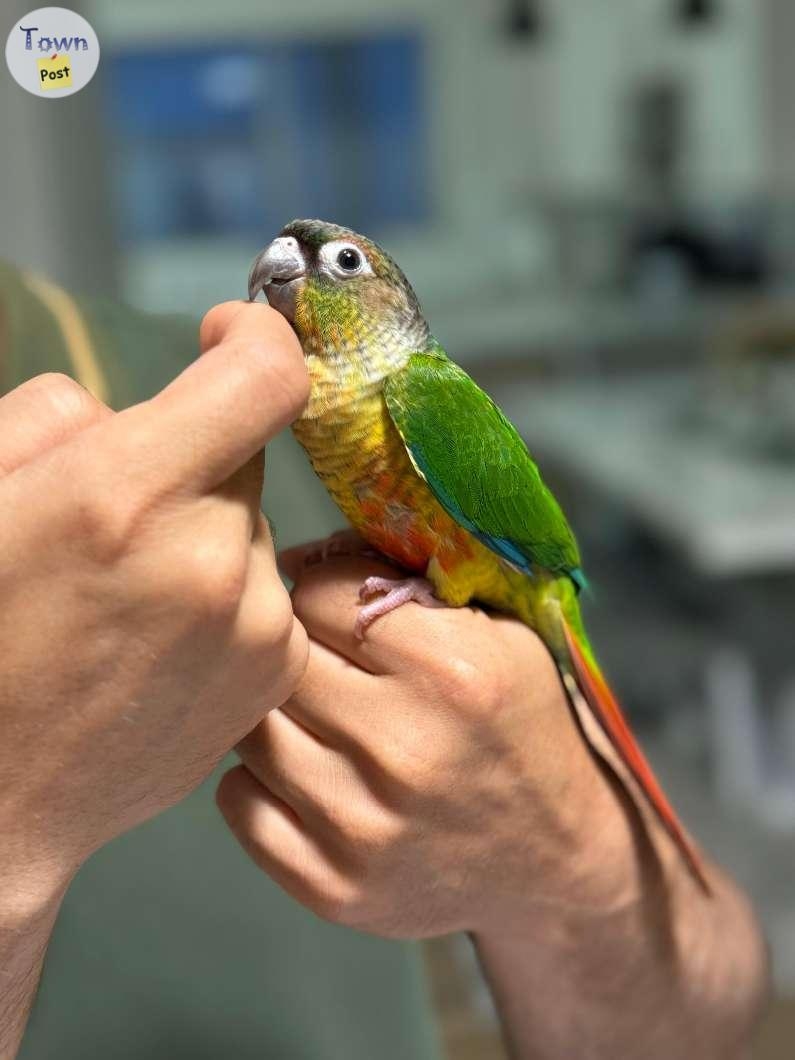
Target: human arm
[
  {"x": 668, "y": 974},
  {"x": 144, "y": 627},
  {"x": 431, "y": 779}
]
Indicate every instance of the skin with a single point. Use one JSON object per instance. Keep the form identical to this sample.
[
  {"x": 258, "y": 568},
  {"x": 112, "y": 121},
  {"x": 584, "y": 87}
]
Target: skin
[
  {"x": 142, "y": 595},
  {"x": 428, "y": 470},
  {"x": 431, "y": 779},
  {"x": 426, "y": 780}
]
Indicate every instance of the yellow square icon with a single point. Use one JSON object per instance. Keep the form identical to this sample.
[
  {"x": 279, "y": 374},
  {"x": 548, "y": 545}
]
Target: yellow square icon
[{"x": 55, "y": 72}]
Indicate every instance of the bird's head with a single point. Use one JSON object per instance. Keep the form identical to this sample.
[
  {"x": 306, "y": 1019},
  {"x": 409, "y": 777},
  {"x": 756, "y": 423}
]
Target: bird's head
[{"x": 341, "y": 292}]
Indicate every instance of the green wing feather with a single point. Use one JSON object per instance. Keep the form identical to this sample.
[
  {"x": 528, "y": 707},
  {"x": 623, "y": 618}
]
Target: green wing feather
[{"x": 477, "y": 465}]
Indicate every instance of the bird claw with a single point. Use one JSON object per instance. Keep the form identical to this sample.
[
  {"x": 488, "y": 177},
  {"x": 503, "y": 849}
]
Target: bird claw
[{"x": 396, "y": 592}]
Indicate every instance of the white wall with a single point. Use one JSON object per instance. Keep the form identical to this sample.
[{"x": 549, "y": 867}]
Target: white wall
[
  {"x": 722, "y": 67},
  {"x": 552, "y": 113},
  {"x": 600, "y": 49},
  {"x": 514, "y": 126},
  {"x": 55, "y": 215},
  {"x": 779, "y": 90}
]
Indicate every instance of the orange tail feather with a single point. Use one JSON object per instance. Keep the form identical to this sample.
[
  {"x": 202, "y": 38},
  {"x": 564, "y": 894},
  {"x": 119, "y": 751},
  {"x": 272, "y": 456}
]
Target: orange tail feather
[{"x": 611, "y": 718}]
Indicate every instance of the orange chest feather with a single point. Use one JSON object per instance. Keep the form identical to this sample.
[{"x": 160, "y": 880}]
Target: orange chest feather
[{"x": 358, "y": 454}]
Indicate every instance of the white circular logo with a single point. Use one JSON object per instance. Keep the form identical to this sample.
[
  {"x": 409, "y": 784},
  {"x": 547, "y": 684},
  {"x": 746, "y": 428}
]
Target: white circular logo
[{"x": 52, "y": 52}]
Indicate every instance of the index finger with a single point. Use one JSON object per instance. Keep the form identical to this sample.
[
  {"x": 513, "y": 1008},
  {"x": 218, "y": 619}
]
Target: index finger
[
  {"x": 326, "y": 601},
  {"x": 42, "y": 413},
  {"x": 249, "y": 384}
]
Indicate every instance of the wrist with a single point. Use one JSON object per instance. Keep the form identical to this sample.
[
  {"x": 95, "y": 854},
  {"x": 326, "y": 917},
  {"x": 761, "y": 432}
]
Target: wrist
[
  {"x": 592, "y": 860},
  {"x": 33, "y": 877},
  {"x": 30, "y": 899},
  {"x": 652, "y": 959}
]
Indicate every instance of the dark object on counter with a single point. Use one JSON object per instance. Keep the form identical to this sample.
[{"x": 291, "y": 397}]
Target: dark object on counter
[
  {"x": 711, "y": 259},
  {"x": 524, "y": 20},
  {"x": 697, "y": 12}
]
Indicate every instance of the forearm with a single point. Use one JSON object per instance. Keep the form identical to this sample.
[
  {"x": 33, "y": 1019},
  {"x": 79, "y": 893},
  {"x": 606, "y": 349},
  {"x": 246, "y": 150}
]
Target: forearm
[
  {"x": 674, "y": 973},
  {"x": 27, "y": 917}
]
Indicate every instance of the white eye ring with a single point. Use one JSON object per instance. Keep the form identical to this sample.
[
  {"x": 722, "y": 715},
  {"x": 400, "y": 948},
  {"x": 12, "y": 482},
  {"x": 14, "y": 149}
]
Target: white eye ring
[{"x": 332, "y": 256}]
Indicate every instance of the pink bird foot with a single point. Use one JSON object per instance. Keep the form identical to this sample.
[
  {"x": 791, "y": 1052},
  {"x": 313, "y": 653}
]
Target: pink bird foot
[{"x": 397, "y": 593}]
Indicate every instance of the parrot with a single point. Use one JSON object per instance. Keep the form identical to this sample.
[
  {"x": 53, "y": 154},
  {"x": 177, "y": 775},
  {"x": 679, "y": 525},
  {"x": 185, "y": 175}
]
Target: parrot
[{"x": 428, "y": 470}]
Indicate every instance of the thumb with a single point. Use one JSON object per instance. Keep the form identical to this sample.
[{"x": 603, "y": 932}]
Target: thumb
[{"x": 249, "y": 384}]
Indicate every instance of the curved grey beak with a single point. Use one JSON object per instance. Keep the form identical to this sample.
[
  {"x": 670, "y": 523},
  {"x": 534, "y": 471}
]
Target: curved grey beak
[{"x": 278, "y": 271}]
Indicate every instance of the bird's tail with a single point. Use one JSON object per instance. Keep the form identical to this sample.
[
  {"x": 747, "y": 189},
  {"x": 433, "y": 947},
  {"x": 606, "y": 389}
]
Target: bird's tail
[{"x": 577, "y": 662}]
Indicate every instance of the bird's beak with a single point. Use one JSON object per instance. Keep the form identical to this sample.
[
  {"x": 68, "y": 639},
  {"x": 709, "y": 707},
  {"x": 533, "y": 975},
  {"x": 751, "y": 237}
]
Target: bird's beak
[{"x": 279, "y": 271}]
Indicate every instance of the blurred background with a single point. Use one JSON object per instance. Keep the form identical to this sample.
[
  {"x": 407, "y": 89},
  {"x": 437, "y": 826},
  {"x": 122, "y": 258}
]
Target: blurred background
[{"x": 596, "y": 205}]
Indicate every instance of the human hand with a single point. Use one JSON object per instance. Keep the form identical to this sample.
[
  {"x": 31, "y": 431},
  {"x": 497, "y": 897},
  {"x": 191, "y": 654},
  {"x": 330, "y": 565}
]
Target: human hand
[
  {"x": 428, "y": 779},
  {"x": 144, "y": 628},
  {"x": 432, "y": 778}
]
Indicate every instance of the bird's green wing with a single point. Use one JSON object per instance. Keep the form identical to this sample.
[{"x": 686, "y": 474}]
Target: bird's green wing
[{"x": 477, "y": 465}]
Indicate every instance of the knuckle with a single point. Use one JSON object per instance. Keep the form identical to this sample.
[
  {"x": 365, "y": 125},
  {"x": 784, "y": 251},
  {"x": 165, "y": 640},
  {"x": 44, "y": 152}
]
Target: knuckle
[
  {"x": 409, "y": 768},
  {"x": 338, "y": 900},
  {"x": 278, "y": 655},
  {"x": 489, "y": 695},
  {"x": 305, "y": 593},
  {"x": 293, "y": 659},
  {"x": 379, "y": 837},
  {"x": 217, "y": 579},
  {"x": 280, "y": 617},
  {"x": 227, "y": 797},
  {"x": 275, "y": 635},
  {"x": 298, "y": 653},
  {"x": 427, "y": 796},
  {"x": 65, "y": 397},
  {"x": 323, "y": 904},
  {"x": 105, "y": 525},
  {"x": 465, "y": 686}
]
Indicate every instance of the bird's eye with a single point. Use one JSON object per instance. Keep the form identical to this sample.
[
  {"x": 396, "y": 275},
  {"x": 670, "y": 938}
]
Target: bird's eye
[{"x": 349, "y": 260}]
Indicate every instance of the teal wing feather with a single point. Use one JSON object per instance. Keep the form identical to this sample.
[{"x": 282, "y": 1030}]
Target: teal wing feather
[{"x": 477, "y": 465}]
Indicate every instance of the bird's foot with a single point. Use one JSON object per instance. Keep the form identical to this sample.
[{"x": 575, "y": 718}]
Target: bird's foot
[
  {"x": 340, "y": 543},
  {"x": 396, "y": 593}
]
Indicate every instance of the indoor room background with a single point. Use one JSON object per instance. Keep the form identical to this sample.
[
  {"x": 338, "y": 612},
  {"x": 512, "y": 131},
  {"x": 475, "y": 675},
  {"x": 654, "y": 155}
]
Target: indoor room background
[{"x": 596, "y": 204}]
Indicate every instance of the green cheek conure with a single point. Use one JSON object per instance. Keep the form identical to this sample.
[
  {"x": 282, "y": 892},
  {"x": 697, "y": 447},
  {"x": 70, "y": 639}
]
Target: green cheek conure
[{"x": 428, "y": 470}]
